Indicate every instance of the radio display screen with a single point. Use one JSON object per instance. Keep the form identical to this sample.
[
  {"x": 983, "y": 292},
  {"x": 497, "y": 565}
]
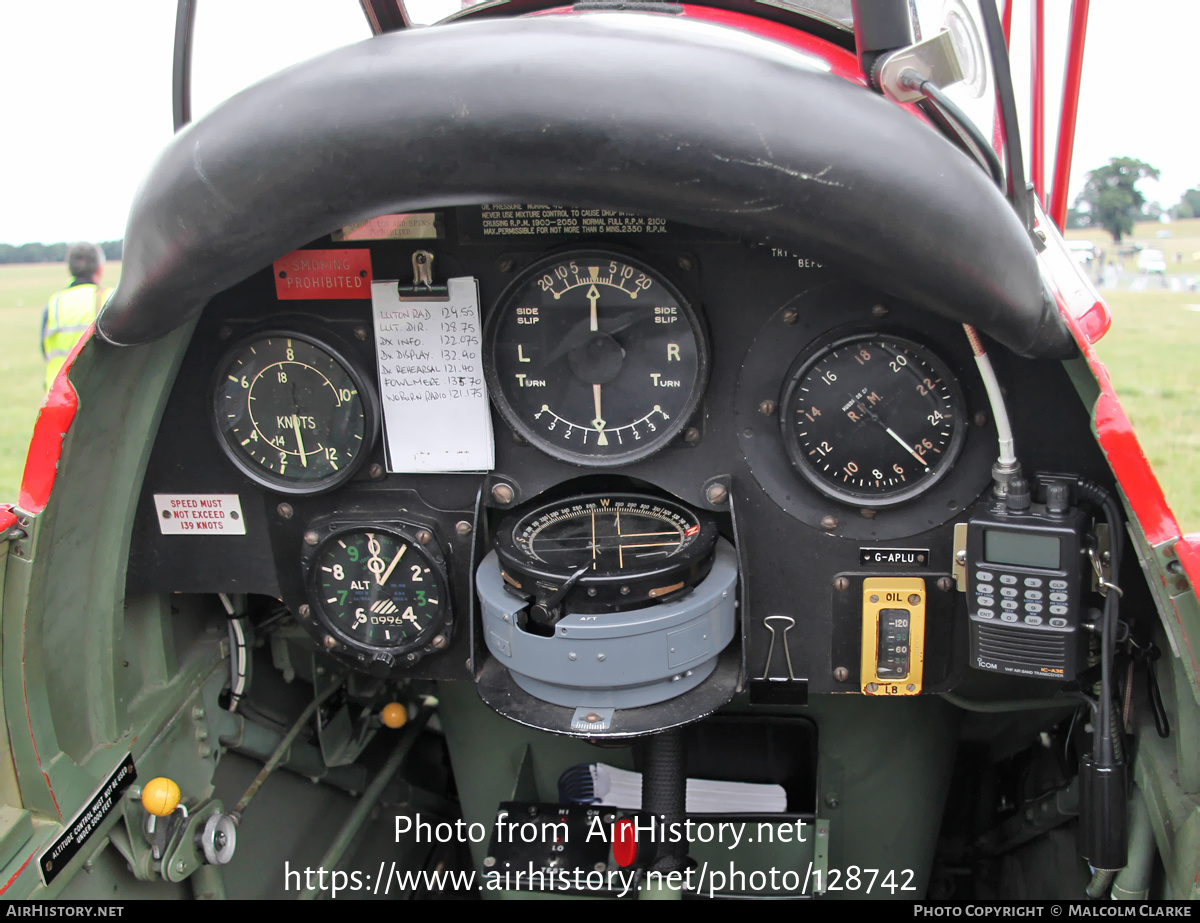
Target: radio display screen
[{"x": 1021, "y": 548}]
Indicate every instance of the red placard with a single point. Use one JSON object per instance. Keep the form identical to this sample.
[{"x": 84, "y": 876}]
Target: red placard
[{"x": 323, "y": 274}]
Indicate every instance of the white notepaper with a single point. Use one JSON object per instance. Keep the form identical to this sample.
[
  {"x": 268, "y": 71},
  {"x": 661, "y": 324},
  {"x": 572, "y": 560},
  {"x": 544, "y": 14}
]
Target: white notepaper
[{"x": 430, "y": 357}]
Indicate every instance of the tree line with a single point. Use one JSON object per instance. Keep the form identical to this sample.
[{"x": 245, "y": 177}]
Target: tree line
[
  {"x": 1111, "y": 200},
  {"x": 50, "y": 253}
]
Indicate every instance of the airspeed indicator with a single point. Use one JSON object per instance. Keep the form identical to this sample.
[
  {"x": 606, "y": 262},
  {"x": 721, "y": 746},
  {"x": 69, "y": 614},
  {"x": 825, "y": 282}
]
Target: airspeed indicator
[{"x": 291, "y": 413}]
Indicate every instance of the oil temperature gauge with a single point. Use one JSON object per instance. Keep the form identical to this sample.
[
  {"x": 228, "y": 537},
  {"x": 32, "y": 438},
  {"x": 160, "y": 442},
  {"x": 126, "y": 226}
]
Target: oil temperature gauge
[
  {"x": 604, "y": 553},
  {"x": 377, "y": 592}
]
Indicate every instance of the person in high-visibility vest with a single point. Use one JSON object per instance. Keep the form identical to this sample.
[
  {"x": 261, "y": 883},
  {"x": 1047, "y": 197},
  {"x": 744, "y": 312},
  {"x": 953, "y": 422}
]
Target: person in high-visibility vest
[{"x": 70, "y": 312}]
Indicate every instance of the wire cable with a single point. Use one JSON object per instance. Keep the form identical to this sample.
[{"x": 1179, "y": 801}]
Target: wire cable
[{"x": 984, "y": 151}]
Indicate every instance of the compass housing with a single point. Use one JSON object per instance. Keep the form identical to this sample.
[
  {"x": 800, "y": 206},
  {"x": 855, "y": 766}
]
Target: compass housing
[{"x": 642, "y": 549}]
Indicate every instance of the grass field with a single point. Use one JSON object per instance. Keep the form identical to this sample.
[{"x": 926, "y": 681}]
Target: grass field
[
  {"x": 23, "y": 293},
  {"x": 1151, "y": 353},
  {"x": 1184, "y": 241}
]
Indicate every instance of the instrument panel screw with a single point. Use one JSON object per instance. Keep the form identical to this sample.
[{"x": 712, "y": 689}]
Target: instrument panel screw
[
  {"x": 572, "y": 656},
  {"x": 424, "y": 537},
  {"x": 914, "y": 599},
  {"x": 489, "y": 861},
  {"x": 979, "y": 419},
  {"x": 945, "y": 584},
  {"x": 841, "y": 584},
  {"x": 960, "y": 556},
  {"x": 591, "y": 717},
  {"x": 872, "y": 687},
  {"x": 717, "y": 494},
  {"x": 438, "y": 642},
  {"x": 502, "y": 493},
  {"x": 360, "y": 333},
  {"x": 624, "y": 591},
  {"x": 911, "y": 687},
  {"x": 600, "y": 866},
  {"x": 691, "y": 435},
  {"x": 329, "y": 641},
  {"x": 311, "y": 538},
  {"x": 879, "y": 310},
  {"x": 375, "y": 471},
  {"x": 831, "y": 800},
  {"x": 841, "y": 674},
  {"x": 462, "y": 527},
  {"x": 866, "y": 513},
  {"x": 790, "y": 316},
  {"x": 685, "y": 263},
  {"x": 766, "y": 408},
  {"x": 305, "y": 611},
  {"x": 505, "y": 265},
  {"x": 284, "y": 510},
  {"x": 828, "y": 523},
  {"x": 600, "y": 657}
]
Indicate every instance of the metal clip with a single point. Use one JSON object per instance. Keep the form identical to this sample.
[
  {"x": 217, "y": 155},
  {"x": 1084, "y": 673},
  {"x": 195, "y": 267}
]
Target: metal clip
[
  {"x": 1098, "y": 568},
  {"x": 422, "y": 263},
  {"x": 422, "y": 288},
  {"x": 787, "y": 654}
]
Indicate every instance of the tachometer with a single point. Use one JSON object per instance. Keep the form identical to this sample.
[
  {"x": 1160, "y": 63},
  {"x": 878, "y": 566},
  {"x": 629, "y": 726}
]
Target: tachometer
[
  {"x": 873, "y": 420},
  {"x": 293, "y": 414},
  {"x": 595, "y": 358}
]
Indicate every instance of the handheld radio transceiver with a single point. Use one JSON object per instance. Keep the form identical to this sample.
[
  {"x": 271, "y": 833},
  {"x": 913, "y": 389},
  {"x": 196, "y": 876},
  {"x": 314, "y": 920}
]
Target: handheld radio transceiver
[{"x": 1025, "y": 566}]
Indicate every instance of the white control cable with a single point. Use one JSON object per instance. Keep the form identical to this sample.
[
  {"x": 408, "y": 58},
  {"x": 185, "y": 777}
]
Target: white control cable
[{"x": 1006, "y": 465}]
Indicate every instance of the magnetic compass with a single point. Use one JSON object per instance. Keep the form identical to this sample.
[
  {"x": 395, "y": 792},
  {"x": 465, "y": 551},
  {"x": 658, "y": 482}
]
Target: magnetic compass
[{"x": 604, "y": 553}]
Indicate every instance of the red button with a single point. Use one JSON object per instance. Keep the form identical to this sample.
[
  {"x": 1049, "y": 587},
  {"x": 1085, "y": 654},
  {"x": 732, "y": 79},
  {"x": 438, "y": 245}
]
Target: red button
[{"x": 624, "y": 845}]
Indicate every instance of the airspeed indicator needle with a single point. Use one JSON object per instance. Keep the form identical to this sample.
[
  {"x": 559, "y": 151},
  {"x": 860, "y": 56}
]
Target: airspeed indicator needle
[{"x": 299, "y": 439}]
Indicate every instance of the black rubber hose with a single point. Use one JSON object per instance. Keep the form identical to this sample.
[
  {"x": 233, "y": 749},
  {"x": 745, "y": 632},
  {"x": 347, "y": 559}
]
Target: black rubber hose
[{"x": 664, "y": 796}]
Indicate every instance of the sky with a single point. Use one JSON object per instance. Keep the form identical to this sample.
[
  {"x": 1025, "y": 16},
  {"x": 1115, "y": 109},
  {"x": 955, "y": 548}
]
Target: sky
[{"x": 87, "y": 105}]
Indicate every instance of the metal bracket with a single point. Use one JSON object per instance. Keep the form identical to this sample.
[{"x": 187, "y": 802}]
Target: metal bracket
[
  {"x": 592, "y": 719},
  {"x": 820, "y": 861},
  {"x": 935, "y": 59}
]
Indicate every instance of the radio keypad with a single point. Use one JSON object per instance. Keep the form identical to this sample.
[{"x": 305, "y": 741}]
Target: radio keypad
[{"x": 1021, "y": 599}]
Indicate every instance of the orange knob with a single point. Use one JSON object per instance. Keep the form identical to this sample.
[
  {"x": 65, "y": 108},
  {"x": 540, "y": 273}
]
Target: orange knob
[
  {"x": 160, "y": 796},
  {"x": 394, "y": 715}
]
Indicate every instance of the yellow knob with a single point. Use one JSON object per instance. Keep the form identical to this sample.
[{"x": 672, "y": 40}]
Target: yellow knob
[
  {"x": 160, "y": 796},
  {"x": 394, "y": 715}
]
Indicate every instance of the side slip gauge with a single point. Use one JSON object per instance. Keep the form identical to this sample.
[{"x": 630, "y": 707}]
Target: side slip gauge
[
  {"x": 379, "y": 597},
  {"x": 594, "y": 358},
  {"x": 292, "y": 413}
]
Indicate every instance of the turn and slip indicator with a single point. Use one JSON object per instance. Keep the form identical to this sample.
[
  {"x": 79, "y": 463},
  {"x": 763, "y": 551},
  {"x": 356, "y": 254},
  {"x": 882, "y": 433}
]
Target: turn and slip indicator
[{"x": 893, "y": 635}]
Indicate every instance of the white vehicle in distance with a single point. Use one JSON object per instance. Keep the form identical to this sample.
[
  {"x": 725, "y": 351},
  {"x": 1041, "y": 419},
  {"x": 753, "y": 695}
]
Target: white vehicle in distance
[
  {"x": 1149, "y": 261},
  {"x": 1084, "y": 251}
]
